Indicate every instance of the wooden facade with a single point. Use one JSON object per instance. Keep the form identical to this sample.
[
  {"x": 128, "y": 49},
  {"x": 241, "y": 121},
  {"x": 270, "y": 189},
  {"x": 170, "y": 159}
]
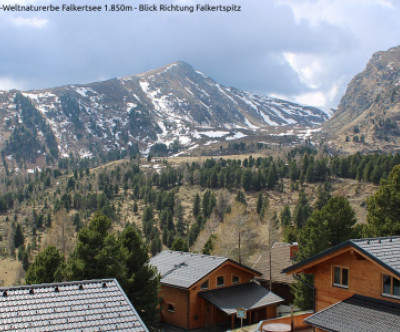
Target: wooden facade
[
  {"x": 365, "y": 278},
  {"x": 186, "y": 309},
  {"x": 344, "y": 272}
]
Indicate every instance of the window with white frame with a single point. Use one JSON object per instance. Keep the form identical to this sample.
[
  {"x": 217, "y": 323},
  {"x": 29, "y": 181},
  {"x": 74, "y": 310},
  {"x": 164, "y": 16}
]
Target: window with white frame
[
  {"x": 340, "y": 276},
  {"x": 390, "y": 286}
]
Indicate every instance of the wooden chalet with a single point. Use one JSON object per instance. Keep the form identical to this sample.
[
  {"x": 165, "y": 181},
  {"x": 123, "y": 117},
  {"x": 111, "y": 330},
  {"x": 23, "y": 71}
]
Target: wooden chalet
[
  {"x": 201, "y": 291},
  {"x": 356, "y": 286}
]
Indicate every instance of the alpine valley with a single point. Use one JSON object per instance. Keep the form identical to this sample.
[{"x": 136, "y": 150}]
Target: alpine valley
[{"x": 171, "y": 105}]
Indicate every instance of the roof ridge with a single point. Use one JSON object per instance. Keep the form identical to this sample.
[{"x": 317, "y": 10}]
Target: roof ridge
[
  {"x": 56, "y": 284},
  {"x": 176, "y": 266},
  {"x": 376, "y": 238},
  {"x": 193, "y": 254}
]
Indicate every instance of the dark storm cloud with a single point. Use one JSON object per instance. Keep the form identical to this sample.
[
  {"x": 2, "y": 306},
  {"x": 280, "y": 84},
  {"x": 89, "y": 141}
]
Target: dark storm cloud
[{"x": 248, "y": 50}]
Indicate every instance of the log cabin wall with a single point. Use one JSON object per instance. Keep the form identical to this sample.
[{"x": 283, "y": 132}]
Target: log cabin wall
[
  {"x": 179, "y": 299},
  {"x": 365, "y": 278}
]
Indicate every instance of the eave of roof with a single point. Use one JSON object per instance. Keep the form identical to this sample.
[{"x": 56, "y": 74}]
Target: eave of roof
[
  {"x": 358, "y": 313},
  {"x": 349, "y": 243},
  {"x": 248, "y": 296}
]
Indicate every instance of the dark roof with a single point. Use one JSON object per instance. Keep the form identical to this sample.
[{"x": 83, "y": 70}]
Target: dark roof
[
  {"x": 280, "y": 254},
  {"x": 97, "y": 305},
  {"x": 358, "y": 314},
  {"x": 385, "y": 251},
  {"x": 247, "y": 296},
  {"x": 184, "y": 269}
]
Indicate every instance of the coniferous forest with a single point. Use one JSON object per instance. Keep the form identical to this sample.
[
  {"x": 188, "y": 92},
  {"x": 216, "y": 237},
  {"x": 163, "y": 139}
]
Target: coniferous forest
[{"x": 63, "y": 223}]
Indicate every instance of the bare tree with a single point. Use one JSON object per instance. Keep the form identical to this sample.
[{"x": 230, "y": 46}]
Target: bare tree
[
  {"x": 239, "y": 237},
  {"x": 61, "y": 234}
]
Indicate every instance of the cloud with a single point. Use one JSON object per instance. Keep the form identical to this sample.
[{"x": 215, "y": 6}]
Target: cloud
[
  {"x": 318, "y": 98},
  {"x": 303, "y": 49},
  {"x": 307, "y": 66},
  {"x": 22, "y": 2},
  {"x": 33, "y": 22},
  {"x": 7, "y": 83},
  {"x": 335, "y": 12}
]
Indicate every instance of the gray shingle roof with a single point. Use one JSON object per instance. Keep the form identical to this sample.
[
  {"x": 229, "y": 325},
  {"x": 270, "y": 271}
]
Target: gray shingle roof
[
  {"x": 183, "y": 269},
  {"x": 98, "y": 305},
  {"x": 358, "y": 314},
  {"x": 247, "y": 296},
  {"x": 385, "y": 251}
]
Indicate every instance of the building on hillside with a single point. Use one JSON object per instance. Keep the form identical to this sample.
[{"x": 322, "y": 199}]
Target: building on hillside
[
  {"x": 356, "y": 286},
  {"x": 200, "y": 290},
  {"x": 282, "y": 256},
  {"x": 97, "y": 305}
]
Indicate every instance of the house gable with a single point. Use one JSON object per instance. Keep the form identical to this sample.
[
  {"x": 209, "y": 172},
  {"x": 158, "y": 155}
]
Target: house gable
[
  {"x": 384, "y": 252},
  {"x": 367, "y": 267},
  {"x": 363, "y": 276},
  {"x": 228, "y": 270}
]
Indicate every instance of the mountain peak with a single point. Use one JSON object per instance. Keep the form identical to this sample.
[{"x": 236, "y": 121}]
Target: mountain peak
[
  {"x": 163, "y": 105},
  {"x": 180, "y": 67},
  {"x": 369, "y": 111}
]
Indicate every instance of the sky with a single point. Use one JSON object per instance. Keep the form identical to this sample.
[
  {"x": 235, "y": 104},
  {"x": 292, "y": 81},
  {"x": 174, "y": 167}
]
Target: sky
[{"x": 305, "y": 51}]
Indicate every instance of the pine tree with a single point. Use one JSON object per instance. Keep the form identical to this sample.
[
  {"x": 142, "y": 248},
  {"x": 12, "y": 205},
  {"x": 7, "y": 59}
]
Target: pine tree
[
  {"x": 240, "y": 197},
  {"x": 84, "y": 261},
  {"x": 259, "y": 204},
  {"x": 286, "y": 217},
  {"x": 142, "y": 283},
  {"x": 23, "y": 257},
  {"x": 302, "y": 210},
  {"x": 209, "y": 245},
  {"x": 49, "y": 266},
  {"x": 384, "y": 207},
  {"x": 323, "y": 198},
  {"x": 246, "y": 179},
  {"x": 180, "y": 244},
  {"x": 271, "y": 176},
  {"x": 180, "y": 224},
  {"x": 18, "y": 237},
  {"x": 206, "y": 203},
  {"x": 100, "y": 255},
  {"x": 196, "y": 206}
]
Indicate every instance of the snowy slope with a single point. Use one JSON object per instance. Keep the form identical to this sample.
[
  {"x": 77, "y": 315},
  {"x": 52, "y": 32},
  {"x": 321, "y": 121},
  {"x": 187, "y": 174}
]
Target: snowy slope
[{"x": 162, "y": 105}]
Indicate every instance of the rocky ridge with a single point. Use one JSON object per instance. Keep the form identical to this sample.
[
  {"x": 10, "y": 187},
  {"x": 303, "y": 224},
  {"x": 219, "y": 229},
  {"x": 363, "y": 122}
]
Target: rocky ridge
[
  {"x": 367, "y": 118},
  {"x": 174, "y": 103}
]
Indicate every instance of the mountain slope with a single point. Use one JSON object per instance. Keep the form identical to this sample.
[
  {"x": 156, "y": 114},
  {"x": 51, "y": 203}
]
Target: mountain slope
[
  {"x": 162, "y": 105},
  {"x": 368, "y": 114}
]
